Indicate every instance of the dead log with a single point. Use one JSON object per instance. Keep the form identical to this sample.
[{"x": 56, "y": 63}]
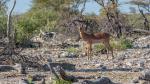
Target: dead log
[
  {"x": 141, "y": 31},
  {"x": 53, "y": 72},
  {"x": 5, "y": 68},
  {"x": 103, "y": 80},
  {"x": 65, "y": 76},
  {"x": 61, "y": 74}
]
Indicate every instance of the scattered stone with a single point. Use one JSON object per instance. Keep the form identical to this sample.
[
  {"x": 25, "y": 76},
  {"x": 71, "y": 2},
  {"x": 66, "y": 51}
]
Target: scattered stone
[
  {"x": 37, "y": 77},
  {"x": 103, "y": 51},
  {"x": 142, "y": 63},
  {"x": 49, "y": 60},
  {"x": 5, "y": 68},
  {"x": 103, "y": 80},
  {"x": 122, "y": 69},
  {"x": 136, "y": 69},
  {"x": 64, "y": 54},
  {"x": 83, "y": 54},
  {"x": 129, "y": 60},
  {"x": 43, "y": 81},
  {"x": 122, "y": 57},
  {"x": 22, "y": 81},
  {"x": 66, "y": 66},
  {"x": 23, "y": 71},
  {"x": 103, "y": 68},
  {"x": 18, "y": 67},
  {"x": 77, "y": 83},
  {"x": 98, "y": 65},
  {"x": 143, "y": 42},
  {"x": 145, "y": 75},
  {"x": 72, "y": 55},
  {"x": 135, "y": 81},
  {"x": 47, "y": 52},
  {"x": 46, "y": 67},
  {"x": 146, "y": 82},
  {"x": 129, "y": 63}
]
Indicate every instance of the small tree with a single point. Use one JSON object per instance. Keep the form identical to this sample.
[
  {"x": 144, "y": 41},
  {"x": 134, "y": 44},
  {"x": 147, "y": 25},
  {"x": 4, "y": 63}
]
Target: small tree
[
  {"x": 110, "y": 9},
  {"x": 9, "y": 50},
  {"x": 143, "y": 6}
]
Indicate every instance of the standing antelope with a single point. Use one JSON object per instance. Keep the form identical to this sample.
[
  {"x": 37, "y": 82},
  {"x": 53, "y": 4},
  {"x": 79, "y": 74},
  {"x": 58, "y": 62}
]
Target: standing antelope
[{"x": 100, "y": 37}]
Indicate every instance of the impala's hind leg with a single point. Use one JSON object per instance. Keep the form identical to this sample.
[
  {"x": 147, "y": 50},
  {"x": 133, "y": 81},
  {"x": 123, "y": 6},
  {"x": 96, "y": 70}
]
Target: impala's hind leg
[
  {"x": 111, "y": 50},
  {"x": 106, "y": 47},
  {"x": 107, "y": 52},
  {"x": 90, "y": 52}
]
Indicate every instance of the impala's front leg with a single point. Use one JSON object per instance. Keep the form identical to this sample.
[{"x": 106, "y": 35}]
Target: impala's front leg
[
  {"x": 89, "y": 50},
  {"x": 85, "y": 50}
]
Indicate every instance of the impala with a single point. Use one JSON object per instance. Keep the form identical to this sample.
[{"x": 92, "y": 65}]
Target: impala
[{"x": 99, "y": 37}]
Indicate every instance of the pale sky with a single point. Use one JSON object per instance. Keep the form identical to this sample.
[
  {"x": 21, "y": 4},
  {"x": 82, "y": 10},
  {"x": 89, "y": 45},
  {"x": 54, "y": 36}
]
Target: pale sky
[
  {"x": 21, "y": 5},
  {"x": 24, "y": 5}
]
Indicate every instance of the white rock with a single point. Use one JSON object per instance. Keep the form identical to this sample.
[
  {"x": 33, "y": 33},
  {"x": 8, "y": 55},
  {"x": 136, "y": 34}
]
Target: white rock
[{"x": 64, "y": 54}]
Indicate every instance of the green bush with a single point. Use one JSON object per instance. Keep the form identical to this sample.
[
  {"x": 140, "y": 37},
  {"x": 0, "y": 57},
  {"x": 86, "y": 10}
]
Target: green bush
[
  {"x": 98, "y": 47},
  {"x": 29, "y": 24},
  {"x": 59, "y": 81},
  {"x": 25, "y": 28},
  {"x": 126, "y": 43},
  {"x": 3, "y": 24},
  {"x": 119, "y": 44}
]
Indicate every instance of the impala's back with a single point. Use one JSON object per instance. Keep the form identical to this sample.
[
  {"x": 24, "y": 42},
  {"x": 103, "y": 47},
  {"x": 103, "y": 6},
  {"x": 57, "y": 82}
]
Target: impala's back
[
  {"x": 102, "y": 35},
  {"x": 96, "y": 37}
]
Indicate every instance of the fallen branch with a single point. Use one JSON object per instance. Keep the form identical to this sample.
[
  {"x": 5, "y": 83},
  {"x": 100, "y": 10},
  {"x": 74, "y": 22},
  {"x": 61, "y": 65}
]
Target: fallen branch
[
  {"x": 16, "y": 67},
  {"x": 141, "y": 31},
  {"x": 65, "y": 76},
  {"x": 53, "y": 72}
]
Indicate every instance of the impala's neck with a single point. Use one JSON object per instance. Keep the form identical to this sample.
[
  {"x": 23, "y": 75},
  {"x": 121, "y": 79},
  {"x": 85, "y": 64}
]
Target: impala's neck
[{"x": 81, "y": 33}]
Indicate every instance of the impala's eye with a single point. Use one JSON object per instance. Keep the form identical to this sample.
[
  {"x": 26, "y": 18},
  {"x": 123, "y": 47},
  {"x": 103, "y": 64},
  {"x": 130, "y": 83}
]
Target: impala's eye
[{"x": 80, "y": 28}]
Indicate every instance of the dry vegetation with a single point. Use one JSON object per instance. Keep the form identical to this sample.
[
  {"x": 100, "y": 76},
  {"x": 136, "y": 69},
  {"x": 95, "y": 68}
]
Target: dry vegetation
[{"x": 43, "y": 45}]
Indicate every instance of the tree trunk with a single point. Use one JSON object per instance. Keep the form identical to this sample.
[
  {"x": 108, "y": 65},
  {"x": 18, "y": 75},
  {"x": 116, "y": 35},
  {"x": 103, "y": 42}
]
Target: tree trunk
[
  {"x": 112, "y": 16},
  {"x": 146, "y": 22},
  {"x": 9, "y": 50}
]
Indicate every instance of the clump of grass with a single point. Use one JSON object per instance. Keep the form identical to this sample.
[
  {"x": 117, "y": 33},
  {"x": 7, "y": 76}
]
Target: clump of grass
[
  {"x": 98, "y": 47},
  {"x": 72, "y": 50},
  {"x": 61, "y": 81},
  {"x": 126, "y": 43},
  {"x": 119, "y": 44},
  {"x": 30, "y": 79}
]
